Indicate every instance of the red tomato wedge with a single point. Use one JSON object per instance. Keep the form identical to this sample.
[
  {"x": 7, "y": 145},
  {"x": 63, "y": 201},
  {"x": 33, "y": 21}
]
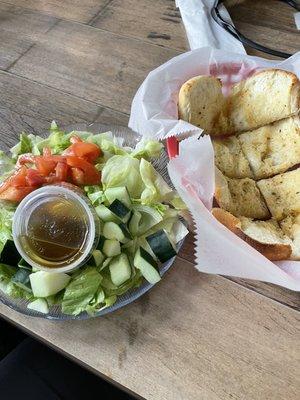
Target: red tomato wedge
[
  {"x": 34, "y": 178},
  {"x": 47, "y": 151},
  {"x": 16, "y": 194},
  {"x": 91, "y": 175},
  {"x": 78, "y": 176},
  {"x": 45, "y": 165},
  {"x": 61, "y": 171},
  {"x": 75, "y": 139},
  {"x": 89, "y": 151},
  {"x": 26, "y": 159}
]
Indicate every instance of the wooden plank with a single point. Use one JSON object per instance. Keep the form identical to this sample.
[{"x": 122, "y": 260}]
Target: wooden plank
[
  {"x": 191, "y": 337},
  {"x": 28, "y": 106},
  {"x": 108, "y": 116},
  {"x": 267, "y": 13},
  {"x": 19, "y": 29},
  {"x": 92, "y": 64},
  {"x": 76, "y": 10},
  {"x": 157, "y": 21},
  {"x": 282, "y": 295}
]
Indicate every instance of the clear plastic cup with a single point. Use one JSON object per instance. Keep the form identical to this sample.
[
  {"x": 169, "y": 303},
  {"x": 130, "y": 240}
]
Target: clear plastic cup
[{"x": 55, "y": 228}]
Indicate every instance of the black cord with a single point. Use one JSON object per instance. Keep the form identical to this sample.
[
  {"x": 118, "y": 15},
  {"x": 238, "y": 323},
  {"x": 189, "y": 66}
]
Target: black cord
[{"x": 242, "y": 38}]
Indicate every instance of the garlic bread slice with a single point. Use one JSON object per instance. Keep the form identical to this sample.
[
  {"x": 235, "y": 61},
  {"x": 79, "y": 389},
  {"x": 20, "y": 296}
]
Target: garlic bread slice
[
  {"x": 240, "y": 197},
  {"x": 272, "y": 149},
  {"x": 230, "y": 159},
  {"x": 282, "y": 193},
  {"x": 265, "y": 97},
  {"x": 265, "y": 236}
]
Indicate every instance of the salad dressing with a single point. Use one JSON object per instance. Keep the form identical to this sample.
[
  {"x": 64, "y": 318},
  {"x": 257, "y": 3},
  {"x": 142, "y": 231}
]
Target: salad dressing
[{"x": 56, "y": 233}]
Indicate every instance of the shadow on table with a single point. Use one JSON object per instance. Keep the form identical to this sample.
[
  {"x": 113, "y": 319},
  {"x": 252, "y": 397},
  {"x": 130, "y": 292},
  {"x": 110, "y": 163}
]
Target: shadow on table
[{"x": 30, "y": 370}]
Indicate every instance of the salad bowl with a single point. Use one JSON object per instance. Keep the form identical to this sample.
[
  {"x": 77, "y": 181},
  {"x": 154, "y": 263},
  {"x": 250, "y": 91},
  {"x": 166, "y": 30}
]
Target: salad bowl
[{"x": 128, "y": 139}]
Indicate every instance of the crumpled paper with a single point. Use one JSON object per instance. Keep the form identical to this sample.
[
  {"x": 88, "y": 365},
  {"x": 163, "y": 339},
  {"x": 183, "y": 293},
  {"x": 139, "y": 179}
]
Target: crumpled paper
[{"x": 154, "y": 114}]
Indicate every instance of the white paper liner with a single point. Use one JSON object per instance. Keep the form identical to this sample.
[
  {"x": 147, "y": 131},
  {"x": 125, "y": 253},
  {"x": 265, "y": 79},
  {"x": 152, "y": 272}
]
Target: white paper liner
[
  {"x": 154, "y": 107},
  {"x": 154, "y": 114},
  {"x": 218, "y": 250}
]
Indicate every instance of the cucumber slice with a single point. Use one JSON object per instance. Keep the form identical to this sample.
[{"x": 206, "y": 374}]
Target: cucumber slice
[
  {"x": 97, "y": 258},
  {"x": 120, "y": 193},
  {"x": 101, "y": 243},
  {"x": 144, "y": 262},
  {"x": 111, "y": 248},
  {"x": 113, "y": 231},
  {"x": 39, "y": 305},
  {"x": 120, "y": 270},
  {"x": 120, "y": 210},
  {"x": 105, "y": 263},
  {"x": 161, "y": 245},
  {"x": 9, "y": 254},
  {"x": 24, "y": 264},
  {"x": 134, "y": 222},
  {"x": 125, "y": 231},
  {"x": 105, "y": 214},
  {"x": 21, "y": 279},
  {"x": 149, "y": 218},
  {"x": 45, "y": 284}
]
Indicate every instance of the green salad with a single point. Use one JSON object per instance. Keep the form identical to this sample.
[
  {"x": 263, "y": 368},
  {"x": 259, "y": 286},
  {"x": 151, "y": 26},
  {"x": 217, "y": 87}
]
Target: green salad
[{"x": 139, "y": 218}]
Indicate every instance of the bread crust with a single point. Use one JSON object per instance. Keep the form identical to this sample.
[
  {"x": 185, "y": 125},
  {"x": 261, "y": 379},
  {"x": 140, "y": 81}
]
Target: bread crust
[{"x": 274, "y": 252}]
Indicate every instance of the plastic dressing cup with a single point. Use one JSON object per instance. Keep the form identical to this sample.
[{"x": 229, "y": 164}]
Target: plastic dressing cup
[{"x": 55, "y": 228}]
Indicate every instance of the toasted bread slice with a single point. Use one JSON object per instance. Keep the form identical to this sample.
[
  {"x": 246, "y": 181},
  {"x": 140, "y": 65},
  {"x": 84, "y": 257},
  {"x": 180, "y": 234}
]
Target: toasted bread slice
[
  {"x": 291, "y": 227},
  {"x": 240, "y": 197},
  {"x": 282, "y": 193},
  {"x": 273, "y": 149},
  {"x": 202, "y": 103},
  {"x": 265, "y": 236},
  {"x": 266, "y": 97},
  {"x": 230, "y": 159}
]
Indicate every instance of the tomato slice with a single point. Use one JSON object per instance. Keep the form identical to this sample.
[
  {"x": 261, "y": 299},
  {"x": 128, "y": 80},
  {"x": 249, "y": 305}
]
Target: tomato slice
[
  {"x": 75, "y": 139},
  {"x": 89, "y": 151},
  {"x": 78, "y": 176},
  {"x": 16, "y": 194},
  {"x": 19, "y": 177},
  {"x": 26, "y": 159},
  {"x": 47, "y": 151},
  {"x": 45, "y": 166},
  {"x": 91, "y": 175},
  {"x": 61, "y": 171},
  {"x": 34, "y": 178}
]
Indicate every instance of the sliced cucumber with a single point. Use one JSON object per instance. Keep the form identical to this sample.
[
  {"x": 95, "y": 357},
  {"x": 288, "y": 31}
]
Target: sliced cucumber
[
  {"x": 120, "y": 210},
  {"x": 21, "y": 279},
  {"x": 45, "y": 284},
  {"x": 120, "y": 270},
  {"x": 111, "y": 248},
  {"x": 113, "y": 231},
  {"x": 105, "y": 263},
  {"x": 134, "y": 222},
  {"x": 144, "y": 262},
  {"x": 24, "y": 264},
  {"x": 105, "y": 214},
  {"x": 120, "y": 193},
  {"x": 125, "y": 231},
  {"x": 39, "y": 305},
  {"x": 101, "y": 243},
  {"x": 149, "y": 218},
  {"x": 97, "y": 258},
  {"x": 161, "y": 245}
]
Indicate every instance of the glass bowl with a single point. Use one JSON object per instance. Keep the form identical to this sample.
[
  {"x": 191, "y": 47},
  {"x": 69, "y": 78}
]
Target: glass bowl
[{"x": 55, "y": 313}]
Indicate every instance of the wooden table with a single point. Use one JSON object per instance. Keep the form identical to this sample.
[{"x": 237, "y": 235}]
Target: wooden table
[{"x": 194, "y": 336}]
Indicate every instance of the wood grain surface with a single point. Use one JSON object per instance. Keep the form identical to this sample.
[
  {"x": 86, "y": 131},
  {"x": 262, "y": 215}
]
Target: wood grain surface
[{"x": 193, "y": 336}]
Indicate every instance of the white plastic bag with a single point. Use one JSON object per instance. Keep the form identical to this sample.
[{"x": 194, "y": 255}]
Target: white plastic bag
[{"x": 154, "y": 114}]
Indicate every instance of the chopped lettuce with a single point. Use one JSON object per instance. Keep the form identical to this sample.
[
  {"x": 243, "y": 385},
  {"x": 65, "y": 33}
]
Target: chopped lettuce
[
  {"x": 123, "y": 171},
  {"x": 147, "y": 149},
  {"x": 156, "y": 188},
  {"x": 6, "y": 217},
  {"x": 80, "y": 291},
  {"x": 6, "y": 166}
]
